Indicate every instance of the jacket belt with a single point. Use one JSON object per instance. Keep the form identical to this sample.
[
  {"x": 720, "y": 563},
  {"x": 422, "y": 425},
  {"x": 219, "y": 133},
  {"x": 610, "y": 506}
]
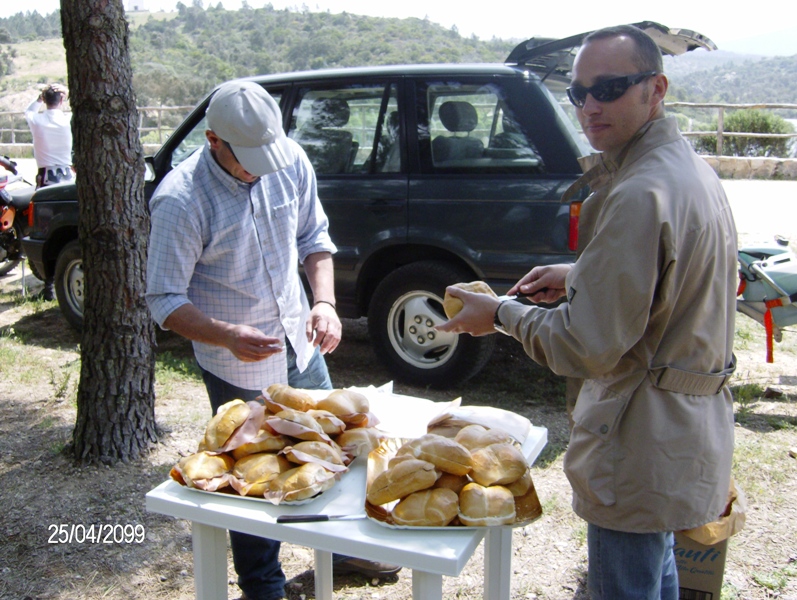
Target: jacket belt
[{"x": 691, "y": 382}]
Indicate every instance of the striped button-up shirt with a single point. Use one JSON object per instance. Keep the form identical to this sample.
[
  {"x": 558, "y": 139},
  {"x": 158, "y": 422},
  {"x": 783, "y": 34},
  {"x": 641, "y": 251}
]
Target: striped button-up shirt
[{"x": 232, "y": 249}]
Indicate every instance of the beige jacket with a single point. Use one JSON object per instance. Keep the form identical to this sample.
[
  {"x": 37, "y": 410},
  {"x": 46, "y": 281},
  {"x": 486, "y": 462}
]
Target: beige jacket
[{"x": 654, "y": 287}]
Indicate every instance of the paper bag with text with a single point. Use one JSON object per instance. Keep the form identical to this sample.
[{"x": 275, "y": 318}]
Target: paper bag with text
[{"x": 731, "y": 521}]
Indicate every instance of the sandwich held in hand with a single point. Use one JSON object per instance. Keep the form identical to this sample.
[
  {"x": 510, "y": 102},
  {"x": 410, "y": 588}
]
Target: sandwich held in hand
[{"x": 452, "y": 306}]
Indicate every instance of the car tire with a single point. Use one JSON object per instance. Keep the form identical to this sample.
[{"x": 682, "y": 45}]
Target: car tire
[
  {"x": 9, "y": 264},
  {"x": 69, "y": 288},
  {"x": 403, "y": 311}
]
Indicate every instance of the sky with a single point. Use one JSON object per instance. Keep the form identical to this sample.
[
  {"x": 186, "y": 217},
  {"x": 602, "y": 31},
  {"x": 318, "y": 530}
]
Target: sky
[{"x": 524, "y": 19}]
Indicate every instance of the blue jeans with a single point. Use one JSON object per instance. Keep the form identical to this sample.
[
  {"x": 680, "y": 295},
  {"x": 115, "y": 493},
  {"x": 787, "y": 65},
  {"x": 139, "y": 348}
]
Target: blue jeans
[
  {"x": 256, "y": 559},
  {"x": 631, "y": 566}
]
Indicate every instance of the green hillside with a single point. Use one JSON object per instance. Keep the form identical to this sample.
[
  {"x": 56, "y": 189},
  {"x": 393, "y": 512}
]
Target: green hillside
[{"x": 178, "y": 57}]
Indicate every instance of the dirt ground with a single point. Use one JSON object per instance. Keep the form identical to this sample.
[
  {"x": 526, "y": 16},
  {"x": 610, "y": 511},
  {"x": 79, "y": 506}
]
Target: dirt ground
[{"x": 43, "y": 489}]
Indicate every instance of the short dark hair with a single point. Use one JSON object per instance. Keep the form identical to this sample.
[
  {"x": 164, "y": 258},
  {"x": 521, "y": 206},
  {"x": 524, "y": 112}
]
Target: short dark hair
[
  {"x": 52, "y": 97},
  {"x": 648, "y": 55}
]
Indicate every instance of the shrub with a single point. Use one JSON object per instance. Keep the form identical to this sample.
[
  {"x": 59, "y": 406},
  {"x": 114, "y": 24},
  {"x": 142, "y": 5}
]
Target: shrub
[{"x": 749, "y": 121}]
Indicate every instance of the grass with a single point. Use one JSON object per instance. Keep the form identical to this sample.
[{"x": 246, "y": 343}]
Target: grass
[
  {"x": 171, "y": 367},
  {"x": 776, "y": 580},
  {"x": 45, "y": 58}
]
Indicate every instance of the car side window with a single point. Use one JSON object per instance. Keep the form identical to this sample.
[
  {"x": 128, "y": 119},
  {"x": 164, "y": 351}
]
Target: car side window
[
  {"x": 190, "y": 143},
  {"x": 469, "y": 128},
  {"x": 352, "y": 129}
]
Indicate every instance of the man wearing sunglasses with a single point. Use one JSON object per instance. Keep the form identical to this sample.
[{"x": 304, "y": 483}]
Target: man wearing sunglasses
[{"x": 648, "y": 324}]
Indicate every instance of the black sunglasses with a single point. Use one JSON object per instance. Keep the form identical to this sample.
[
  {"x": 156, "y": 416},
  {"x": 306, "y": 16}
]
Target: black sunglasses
[{"x": 606, "y": 91}]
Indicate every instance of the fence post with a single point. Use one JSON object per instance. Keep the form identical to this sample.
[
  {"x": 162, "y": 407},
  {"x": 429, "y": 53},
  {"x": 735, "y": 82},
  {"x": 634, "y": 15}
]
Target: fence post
[{"x": 720, "y": 126}]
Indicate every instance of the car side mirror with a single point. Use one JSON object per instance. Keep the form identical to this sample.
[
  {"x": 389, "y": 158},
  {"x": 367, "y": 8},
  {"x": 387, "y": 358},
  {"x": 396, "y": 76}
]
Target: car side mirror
[{"x": 149, "y": 169}]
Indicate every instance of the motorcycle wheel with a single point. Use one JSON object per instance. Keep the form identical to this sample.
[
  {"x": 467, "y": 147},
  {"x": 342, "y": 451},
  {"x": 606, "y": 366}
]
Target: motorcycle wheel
[{"x": 11, "y": 240}]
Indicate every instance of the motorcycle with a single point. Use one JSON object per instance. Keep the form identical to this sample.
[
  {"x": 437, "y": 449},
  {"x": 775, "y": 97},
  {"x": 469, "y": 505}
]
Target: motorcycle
[
  {"x": 14, "y": 206},
  {"x": 768, "y": 288}
]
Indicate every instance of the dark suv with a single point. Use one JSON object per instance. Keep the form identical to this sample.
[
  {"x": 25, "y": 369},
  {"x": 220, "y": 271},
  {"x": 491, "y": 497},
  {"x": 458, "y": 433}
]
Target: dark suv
[{"x": 430, "y": 175}]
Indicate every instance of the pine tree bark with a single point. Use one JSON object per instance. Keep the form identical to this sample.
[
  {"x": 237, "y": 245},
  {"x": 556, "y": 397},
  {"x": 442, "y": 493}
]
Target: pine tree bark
[{"x": 116, "y": 397}]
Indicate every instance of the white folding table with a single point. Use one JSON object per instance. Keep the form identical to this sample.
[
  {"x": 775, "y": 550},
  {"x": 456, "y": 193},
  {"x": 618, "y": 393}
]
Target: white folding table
[{"x": 430, "y": 553}]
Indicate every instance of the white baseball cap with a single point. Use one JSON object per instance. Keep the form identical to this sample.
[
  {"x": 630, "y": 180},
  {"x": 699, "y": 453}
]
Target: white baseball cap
[{"x": 245, "y": 116}]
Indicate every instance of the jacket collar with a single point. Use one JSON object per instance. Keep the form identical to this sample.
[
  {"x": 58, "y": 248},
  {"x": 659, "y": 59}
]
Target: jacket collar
[{"x": 600, "y": 166}]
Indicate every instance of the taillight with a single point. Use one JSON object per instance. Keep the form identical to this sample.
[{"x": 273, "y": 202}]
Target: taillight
[
  {"x": 572, "y": 234},
  {"x": 6, "y": 217},
  {"x": 29, "y": 210}
]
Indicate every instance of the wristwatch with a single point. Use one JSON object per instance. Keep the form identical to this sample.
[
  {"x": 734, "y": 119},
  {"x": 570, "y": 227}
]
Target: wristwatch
[{"x": 497, "y": 321}]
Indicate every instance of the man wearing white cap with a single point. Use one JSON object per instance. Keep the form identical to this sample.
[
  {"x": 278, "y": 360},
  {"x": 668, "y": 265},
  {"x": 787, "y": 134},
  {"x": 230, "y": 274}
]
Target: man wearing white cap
[{"x": 229, "y": 226}]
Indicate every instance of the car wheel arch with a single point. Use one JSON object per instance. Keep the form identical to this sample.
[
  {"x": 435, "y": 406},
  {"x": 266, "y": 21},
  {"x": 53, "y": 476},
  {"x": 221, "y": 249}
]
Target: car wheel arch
[
  {"x": 54, "y": 245},
  {"x": 383, "y": 262}
]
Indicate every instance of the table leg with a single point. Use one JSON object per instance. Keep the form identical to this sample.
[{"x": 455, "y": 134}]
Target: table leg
[
  {"x": 323, "y": 575},
  {"x": 497, "y": 563},
  {"x": 426, "y": 586},
  {"x": 210, "y": 561}
]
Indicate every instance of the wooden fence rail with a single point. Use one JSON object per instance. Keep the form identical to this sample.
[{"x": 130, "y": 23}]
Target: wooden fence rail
[
  {"x": 13, "y": 123},
  {"x": 721, "y": 108}
]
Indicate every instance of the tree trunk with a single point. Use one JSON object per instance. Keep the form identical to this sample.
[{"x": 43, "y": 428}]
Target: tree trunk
[{"x": 116, "y": 397}]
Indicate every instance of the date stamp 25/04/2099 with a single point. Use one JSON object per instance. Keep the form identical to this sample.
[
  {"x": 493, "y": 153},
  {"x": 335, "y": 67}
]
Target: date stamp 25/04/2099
[{"x": 96, "y": 533}]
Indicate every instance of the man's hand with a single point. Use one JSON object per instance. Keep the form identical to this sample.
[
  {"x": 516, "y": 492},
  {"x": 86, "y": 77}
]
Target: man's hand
[
  {"x": 61, "y": 89},
  {"x": 323, "y": 327},
  {"x": 249, "y": 344},
  {"x": 543, "y": 284},
  {"x": 477, "y": 315}
]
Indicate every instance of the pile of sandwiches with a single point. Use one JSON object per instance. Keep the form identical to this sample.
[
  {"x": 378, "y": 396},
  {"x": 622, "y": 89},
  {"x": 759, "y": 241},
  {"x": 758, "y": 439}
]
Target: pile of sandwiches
[
  {"x": 284, "y": 446},
  {"x": 478, "y": 477}
]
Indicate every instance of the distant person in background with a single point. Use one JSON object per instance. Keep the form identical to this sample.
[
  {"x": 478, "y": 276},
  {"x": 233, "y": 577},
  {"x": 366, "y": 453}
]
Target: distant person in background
[
  {"x": 52, "y": 136},
  {"x": 52, "y": 145}
]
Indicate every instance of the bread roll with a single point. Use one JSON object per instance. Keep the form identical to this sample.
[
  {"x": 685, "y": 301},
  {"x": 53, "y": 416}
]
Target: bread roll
[
  {"x": 227, "y": 419},
  {"x": 455, "y": 483},
  {"x": 329, "y": 422},
  {"x": 256, "y": 470},
  {"x": 298, "y": 452},
  {"x": 498, "y": 464},
  {"x": 401, "y": 480},
  {"x": 342, "y": 403},
  {"x": 428, "y": 508},
  {"x": 474, "y": 437},
  {"x": 264, "y": 441},
  {"x": 202, "y": 466},
  {"x": 287, "y": 397},
  {"x": 398, "y": 459},
  {"x": 260, "y": 467},
  {"x": 300, "y": 483},
  {"x": 360, "y": 441},
  {"x": 444, "y": 453},
  {"x": 295, "y": 423},
  {"x": 522, "y": 486},
  {"x": 452, "y": 305},
  {"x": 486, "y": 506}
]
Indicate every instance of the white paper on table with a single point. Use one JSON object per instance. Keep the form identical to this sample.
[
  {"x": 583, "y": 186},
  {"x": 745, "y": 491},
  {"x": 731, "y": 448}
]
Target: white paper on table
[{"x": 488, "y": 416}]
